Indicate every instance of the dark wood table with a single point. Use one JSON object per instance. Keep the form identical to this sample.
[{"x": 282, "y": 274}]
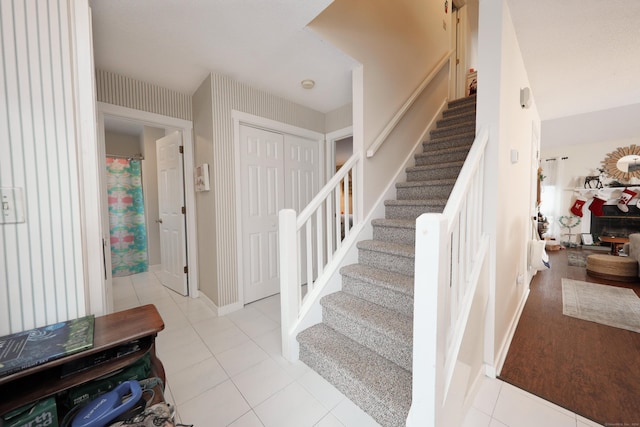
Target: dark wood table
[
  {"x": 113, "y": 330},
  {"x": 616, "y": 243}
]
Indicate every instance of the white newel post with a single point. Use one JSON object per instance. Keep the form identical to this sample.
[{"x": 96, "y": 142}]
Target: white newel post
[
  {"x": 289, "y": 291},
  {"x": 430, "y": 273}
]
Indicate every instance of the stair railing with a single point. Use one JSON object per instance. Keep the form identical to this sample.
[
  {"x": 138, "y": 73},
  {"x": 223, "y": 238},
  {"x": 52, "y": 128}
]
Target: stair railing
[
  {"x": 450, "y": 252},
  {"x": 313, "y": 243}
]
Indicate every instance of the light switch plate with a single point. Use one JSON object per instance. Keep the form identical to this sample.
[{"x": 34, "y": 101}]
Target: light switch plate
[{"x": 11, "y": 206}]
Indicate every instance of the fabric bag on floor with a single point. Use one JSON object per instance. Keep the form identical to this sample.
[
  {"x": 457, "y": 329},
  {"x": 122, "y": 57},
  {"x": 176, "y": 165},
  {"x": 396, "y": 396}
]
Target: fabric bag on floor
[{"x": 538, "y": 257}]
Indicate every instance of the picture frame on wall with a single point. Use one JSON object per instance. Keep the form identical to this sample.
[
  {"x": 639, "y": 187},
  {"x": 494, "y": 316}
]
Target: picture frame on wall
[{"x": 587, "y": 239}]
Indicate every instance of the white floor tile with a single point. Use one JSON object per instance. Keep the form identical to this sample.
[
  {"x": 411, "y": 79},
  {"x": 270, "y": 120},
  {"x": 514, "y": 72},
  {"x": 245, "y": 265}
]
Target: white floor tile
[
  {"x": 349, "y": 414},
  {"x": 476, "y": 418},
  {"x": 290, "y": 407},
  {"x": 181, "y": 349},
  {"x": 271, "y": 342},
  {"x": 250, "y": 419},
  {"x": 256, "y": 326},
  {"x": 487, "y": 395},
  {"x": 216, "y": 407},
  {"x": 321, "y": 389},
  {"x": 242, "y": 357},
  {"x": 261, "y": 381},
  {"x": 329, "y": 420},
  {"x": 584, "y": 422},
  {"x": 218, "y": 368},
  {"x": 517, "y": 410},
  {"x": 224, "y": 340},
  {"x": 196, "y": 379}
]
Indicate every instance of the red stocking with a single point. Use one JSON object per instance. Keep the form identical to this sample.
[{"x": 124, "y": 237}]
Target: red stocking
[
  {"x": 576, "y": 209},
  {"x": 625, "y": 198},
  {"x": 596, "y": 204}
]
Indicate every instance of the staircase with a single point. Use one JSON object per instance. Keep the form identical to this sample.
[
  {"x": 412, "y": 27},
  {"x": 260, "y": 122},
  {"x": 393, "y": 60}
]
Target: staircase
[{"x": 364, "y": 345}]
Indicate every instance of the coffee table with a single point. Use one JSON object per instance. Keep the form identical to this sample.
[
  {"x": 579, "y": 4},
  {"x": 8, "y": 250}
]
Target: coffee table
[{"x": 616, "y": 243}]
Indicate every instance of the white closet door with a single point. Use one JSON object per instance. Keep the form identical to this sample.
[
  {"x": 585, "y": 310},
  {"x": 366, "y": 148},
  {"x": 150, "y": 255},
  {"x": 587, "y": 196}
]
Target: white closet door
[{"x": 261, "y": 163}]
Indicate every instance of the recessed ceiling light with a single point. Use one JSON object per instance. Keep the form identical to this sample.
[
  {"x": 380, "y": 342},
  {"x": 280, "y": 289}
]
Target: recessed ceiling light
[{"x": 308, "y": 83}]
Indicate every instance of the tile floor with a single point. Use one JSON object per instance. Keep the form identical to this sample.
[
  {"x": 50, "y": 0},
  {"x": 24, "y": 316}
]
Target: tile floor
[{"x": 228, "y": 371}]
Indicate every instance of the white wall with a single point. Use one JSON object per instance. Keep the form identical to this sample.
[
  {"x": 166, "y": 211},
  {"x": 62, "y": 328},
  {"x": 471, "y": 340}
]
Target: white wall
[
  {"x": 509, "y": 198},
  {"x": 119, "y": 144},
  {"x": 398, "y": 44},
  {"x": 41, "y": 260}
]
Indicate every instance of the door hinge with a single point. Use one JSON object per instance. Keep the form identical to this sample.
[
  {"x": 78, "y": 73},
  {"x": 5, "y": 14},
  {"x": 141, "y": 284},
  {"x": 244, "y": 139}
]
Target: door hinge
[
  {"x": 457, "y": 61},
  {"x": 457, "y": 20},
  {"x": 186, "y": 269},
  {"x": 181, "y": 149},
  {"x": 184, "y": 210}
]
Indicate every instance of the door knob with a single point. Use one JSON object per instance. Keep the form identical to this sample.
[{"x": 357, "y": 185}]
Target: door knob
[{"x": 159, "y": 220}]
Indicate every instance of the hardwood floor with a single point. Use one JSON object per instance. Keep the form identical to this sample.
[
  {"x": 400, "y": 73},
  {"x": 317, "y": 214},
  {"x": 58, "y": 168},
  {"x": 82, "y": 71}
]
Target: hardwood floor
[{"x": 588, "y": 368}]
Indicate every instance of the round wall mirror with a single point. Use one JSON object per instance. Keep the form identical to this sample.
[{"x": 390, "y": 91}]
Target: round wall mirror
[{"x": 623, "y": 164}]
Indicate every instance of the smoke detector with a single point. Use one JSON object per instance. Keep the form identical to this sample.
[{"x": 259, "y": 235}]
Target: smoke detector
[{"x": 308, "y": 83}]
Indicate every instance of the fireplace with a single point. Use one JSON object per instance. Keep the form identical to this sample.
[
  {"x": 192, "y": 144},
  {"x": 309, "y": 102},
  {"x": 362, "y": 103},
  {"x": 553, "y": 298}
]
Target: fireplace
[{"x": 615, "y": 223}]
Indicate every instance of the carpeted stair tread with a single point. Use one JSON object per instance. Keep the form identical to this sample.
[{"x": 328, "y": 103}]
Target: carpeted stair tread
[
  {"x": 448, "y": 141},
  {"x": 390, "y": 323},
  {"x": 382, "y": 278},
  {"x": 390, "y": 290},
  {"x": 453, "y": 119},
  {"x": 467, "y": 100},
  {"x": 394, "y": 223},
  {"x": 443, "y": 170},
  {"x": 429, "y": 183},
  {"x": 457, "y": 129},
  {"x": 407, "y": 251},
  {"x": 380, "y": 387}
]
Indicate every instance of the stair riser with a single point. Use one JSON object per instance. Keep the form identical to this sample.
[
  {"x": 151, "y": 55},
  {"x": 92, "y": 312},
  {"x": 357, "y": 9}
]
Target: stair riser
[
  {"x": 399, "y": 353},
  {"x": 435, "y": 173},
  {"x": 431, "y": 159},
  {"x": 405, "y": 236},
  {"x": 453, "y": 130},
  {"x": 386, "y": 261},
  {"x": 468, "y": 116},
  {"x": 424, "y": 192},
  {"x": 397, "y": 301},
  {"x": 449, "y": 142},
  {"x": 463, "y": 109},
  {"x": 409, "y": 212},
  {"x": 454, "y": 108},
  {"x": 351, "y": 387}
]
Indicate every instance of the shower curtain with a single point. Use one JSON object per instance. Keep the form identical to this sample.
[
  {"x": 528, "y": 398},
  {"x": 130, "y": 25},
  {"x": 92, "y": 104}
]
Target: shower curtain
[{"x": 126, "y": 217}]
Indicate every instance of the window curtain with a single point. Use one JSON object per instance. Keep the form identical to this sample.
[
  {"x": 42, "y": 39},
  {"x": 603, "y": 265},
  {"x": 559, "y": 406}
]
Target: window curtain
[{"x": 126, "y": 217}]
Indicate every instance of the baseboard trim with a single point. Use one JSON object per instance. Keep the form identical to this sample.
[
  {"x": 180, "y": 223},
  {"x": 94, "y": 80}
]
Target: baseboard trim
[
  {"x": 504, "y": 348},
  {"x": 220, "y": 311}
]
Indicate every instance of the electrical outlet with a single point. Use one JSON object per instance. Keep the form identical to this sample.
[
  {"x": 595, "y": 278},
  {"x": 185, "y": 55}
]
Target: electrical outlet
[{"x": 11, "y": 206}]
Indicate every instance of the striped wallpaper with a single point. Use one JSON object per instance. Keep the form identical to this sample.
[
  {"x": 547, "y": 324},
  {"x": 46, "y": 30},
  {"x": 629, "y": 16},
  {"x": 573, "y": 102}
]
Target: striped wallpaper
[
  {"x": 124, "y": 91},
  {"x": 41, "y": 271}
]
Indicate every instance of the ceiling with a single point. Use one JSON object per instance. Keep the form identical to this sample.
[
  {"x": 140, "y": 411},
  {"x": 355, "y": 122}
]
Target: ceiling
[
  {"x": 262, "y": 43},
  {"x": 581, "y": 55}
]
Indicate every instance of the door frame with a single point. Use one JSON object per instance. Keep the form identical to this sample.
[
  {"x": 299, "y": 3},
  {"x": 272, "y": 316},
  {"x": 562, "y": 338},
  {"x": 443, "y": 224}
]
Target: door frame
[
  {"x": 171, "y": 124},
  {"x": 242, "y": 118},
  {"x": 331, "y": 139}
]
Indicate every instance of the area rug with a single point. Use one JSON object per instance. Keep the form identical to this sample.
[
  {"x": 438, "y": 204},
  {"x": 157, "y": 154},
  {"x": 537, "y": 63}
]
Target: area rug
[{"x": 608, "y": 305}]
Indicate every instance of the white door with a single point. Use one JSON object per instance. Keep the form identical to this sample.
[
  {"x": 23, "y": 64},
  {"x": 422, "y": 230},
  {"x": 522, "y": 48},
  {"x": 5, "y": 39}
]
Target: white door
[
  {"x": 171, "y": 218},
  {"x": 261, "y": 163},
  {"x": 276, "y": 171}
]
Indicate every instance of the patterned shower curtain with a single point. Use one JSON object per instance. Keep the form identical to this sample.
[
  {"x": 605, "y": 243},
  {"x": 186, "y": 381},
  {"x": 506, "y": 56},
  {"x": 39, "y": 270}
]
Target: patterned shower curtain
[{"x": 126, "y": 217}]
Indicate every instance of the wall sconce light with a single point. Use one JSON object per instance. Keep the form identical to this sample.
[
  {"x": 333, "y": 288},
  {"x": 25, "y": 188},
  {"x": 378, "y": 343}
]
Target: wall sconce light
[{"x": 525, "y": 97}]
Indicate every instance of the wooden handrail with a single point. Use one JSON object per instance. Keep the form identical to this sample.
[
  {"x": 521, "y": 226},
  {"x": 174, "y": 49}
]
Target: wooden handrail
[{"x": 371, "y": 151}]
